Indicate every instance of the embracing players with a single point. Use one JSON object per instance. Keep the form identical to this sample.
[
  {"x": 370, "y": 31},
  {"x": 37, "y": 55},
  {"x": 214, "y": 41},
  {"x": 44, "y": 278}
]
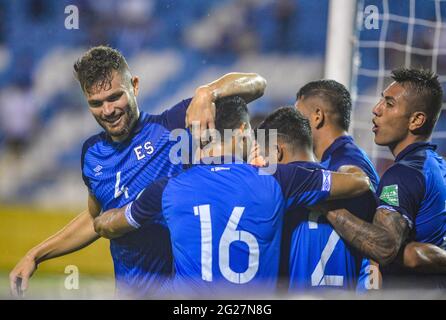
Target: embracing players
[{"x": 117, "y": 164}]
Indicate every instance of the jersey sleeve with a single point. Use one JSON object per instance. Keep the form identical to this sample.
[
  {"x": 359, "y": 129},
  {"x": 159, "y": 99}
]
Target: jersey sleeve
[
  {"x": 402, "y": 189},
  {"x": 84, "y": 169},
  {"x": 301, "y": 186},
  {"x": 174, "y": 118},
  {"x": 148, "y": 205}
]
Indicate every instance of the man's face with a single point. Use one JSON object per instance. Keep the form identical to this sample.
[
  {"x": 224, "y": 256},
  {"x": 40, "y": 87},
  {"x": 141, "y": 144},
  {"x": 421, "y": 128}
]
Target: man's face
[
  {"x": 391, "y": 116},
  {"x": 115, "y": 108}
]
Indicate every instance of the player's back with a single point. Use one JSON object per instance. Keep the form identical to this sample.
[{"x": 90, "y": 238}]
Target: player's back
[
  {"x": 226, "y": 221},
  {"x": 319, "y": 258},
  {"x": 313, "y": 255},
  {"x": 225, "y": 227}
]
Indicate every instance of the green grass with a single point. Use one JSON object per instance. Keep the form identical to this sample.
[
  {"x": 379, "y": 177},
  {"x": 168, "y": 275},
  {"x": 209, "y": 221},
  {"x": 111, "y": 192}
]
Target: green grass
[{"x": 52, "y": 286}]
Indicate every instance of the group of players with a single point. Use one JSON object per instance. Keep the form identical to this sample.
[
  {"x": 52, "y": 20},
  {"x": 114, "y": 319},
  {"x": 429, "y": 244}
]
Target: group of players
[{"x": 322, "y": 220}]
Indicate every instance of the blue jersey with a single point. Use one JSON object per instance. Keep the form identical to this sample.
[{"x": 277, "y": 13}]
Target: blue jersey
[
  {"x": 415, "y": 186},
  {"x": 115, "y": 173},
  {"x": 226, "y": 224},
  {"x": 318, "y": 257}
]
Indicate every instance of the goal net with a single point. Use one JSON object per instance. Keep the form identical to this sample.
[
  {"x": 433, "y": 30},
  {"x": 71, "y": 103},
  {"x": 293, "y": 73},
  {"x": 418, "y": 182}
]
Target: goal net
[{"x": 391, "y": 34}]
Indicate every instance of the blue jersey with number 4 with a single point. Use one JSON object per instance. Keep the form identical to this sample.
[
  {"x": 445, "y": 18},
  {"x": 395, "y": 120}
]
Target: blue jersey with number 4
[
  {"x": 225, "y": 222},
  {"x": 115, "y": 173}
]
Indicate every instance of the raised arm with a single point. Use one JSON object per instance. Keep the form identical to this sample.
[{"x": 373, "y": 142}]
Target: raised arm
[
  {"x": 76, "y": 235},
  {"x": 249, "y": 86},
  {"x": 424, "y": 258}
]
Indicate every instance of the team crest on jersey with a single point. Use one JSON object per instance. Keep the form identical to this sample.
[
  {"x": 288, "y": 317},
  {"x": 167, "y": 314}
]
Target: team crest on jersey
[{"x": 389, "y": 195}]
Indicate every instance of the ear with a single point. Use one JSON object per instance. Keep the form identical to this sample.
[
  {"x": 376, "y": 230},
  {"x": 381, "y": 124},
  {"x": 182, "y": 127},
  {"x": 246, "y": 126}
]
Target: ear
[
  {"x": 318, "y": 117},
  {"x": 135, "y": 85},
  {"x": 280, "y": 154},
  {"x": 417, "y": 120}
]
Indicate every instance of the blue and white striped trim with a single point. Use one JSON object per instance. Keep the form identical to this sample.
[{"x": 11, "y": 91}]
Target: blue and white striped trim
[
  {"x": 326, "y": 180},
  {"x": 129, "y": 218},
  {"x": 394, "y": 210}
]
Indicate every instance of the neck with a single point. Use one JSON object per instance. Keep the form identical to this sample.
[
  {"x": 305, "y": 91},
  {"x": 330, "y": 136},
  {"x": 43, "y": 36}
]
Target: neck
[
  {"x": 217, "y": 150},
  {"x": 303, "y": 155},
  {"x": 398, "y": 147},
  {"x": 324, "y": 138}
]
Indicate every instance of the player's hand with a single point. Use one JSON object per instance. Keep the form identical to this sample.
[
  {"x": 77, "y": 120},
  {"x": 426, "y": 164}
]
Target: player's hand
[
  {"x": 255, "y": 157},
  {"x": 200, "y": 114},
  {"x": 19, "y": 276}
]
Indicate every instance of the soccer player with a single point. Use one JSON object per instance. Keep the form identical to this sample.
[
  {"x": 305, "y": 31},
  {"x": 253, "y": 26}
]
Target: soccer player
[
  {"x": 412, "y": 192},
  {"x": 225, "y": 220},
  {"x": 131, "y": 152},
  {"x": 327, "y": 105}
]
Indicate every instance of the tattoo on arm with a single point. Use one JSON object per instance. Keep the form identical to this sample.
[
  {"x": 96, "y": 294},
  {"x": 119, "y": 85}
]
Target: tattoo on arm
[{"x": 380, "y": 241}]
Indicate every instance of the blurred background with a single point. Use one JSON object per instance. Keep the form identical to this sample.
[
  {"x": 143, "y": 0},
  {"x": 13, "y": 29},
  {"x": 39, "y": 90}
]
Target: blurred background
[{"x": 174, "y": 46}]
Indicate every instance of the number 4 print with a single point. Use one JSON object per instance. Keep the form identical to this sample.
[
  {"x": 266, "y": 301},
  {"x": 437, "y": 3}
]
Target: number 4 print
[{"x": 120, "y": 190}]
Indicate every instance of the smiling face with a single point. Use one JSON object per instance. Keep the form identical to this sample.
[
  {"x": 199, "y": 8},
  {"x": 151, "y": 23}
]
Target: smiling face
[
  {"x": 391, "y": 119},
  {"x": 114, "y": 107}
]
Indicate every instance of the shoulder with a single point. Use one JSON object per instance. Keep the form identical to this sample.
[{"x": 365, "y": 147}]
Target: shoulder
[
  {"x": 172, "y": 118},
  {"x": 90, "y": 143},
  {"x": 93, "y": 140},
  {"x": 404, "y": 177}
]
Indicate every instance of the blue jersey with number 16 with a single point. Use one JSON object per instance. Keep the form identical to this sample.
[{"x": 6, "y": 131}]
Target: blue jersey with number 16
[{"x": 225, "y": 223}]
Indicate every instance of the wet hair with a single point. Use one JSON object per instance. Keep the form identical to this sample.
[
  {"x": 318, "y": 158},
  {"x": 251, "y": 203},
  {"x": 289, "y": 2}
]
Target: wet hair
[
  {"x": 292, "y": 128},
  {"x": 425, "y": 93},
  {"x": 230, "y": 113},
  {"x": 94, "y": 70},
  {"x": 335, "y": 94}
]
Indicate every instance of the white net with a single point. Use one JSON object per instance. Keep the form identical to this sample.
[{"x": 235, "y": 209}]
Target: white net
[{"x": 391, "y": 34}]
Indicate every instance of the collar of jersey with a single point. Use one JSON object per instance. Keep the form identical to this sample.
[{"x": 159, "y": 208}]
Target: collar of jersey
[
  {"x": 224, "y": 159},
  {"x": 413, "y": 147},
  {"x": 142, "y": 120},
  {"x": 307, "y": 164},
  {"x": 339, "y": 142}
]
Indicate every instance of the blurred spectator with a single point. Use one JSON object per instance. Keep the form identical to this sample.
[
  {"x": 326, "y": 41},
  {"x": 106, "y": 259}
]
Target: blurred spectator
[
  {"x": 17, "y": 116},
  {"x": 39, "y": 10},
  {"x": 285, "y": 12}
]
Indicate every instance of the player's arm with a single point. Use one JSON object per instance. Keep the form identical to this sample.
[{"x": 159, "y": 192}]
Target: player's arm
[
  {"x": 348, "y": 185},
  {"x": 115, "y": 223},
  {"x": 76, "y": 235},
  {"x": 306, "y": 187},
  {"x": 424, "y": 258},
  {"x": 380, "y": 240},
  {"x": 249, "y": 86}
]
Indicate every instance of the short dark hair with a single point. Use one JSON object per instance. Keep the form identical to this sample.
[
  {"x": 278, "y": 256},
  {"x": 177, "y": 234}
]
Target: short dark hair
[
  {"x": 94, "y": 70},
  {"x": 292, "y": 128},
  {"x": 230, "y": 113},
  {"x": 425, "y": 92},
  {"x": 335, "y": 94}
]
